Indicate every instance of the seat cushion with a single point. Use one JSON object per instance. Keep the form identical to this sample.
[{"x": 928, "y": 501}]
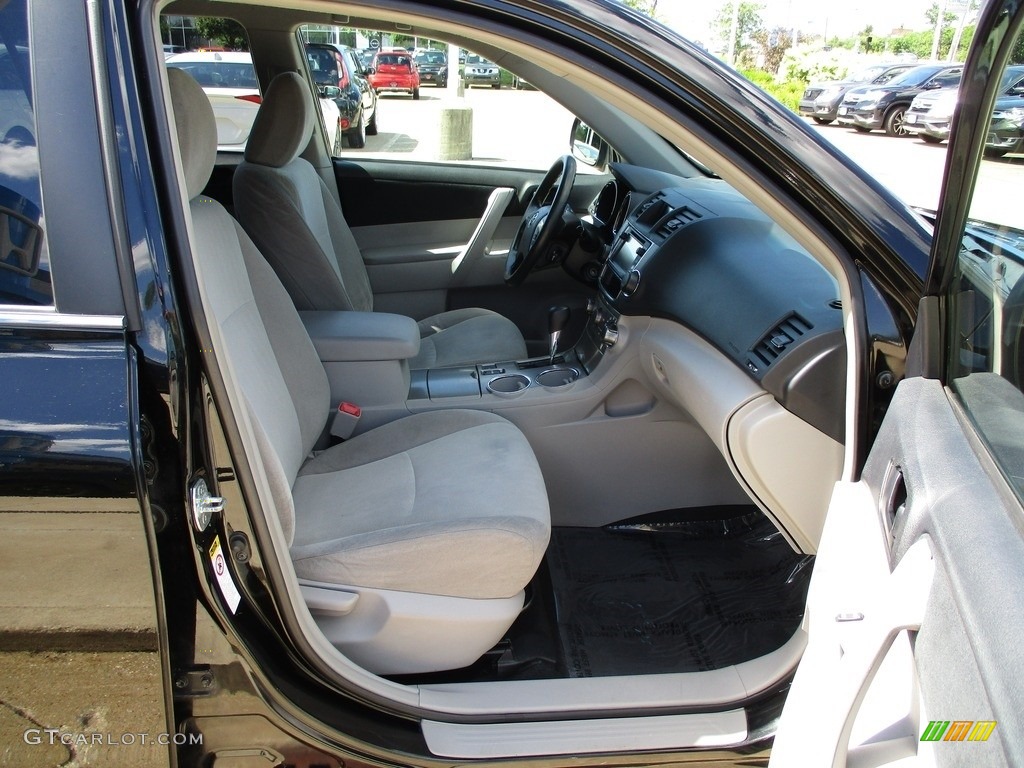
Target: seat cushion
[
  {"x": 467, "y": 337},
  {"x": 445, "y": 503}
]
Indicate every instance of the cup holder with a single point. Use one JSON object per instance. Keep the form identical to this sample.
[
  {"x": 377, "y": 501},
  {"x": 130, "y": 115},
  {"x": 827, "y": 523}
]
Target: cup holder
[
  {"x": 509, "y": 385},
  {"x": 561, "y": 377}
]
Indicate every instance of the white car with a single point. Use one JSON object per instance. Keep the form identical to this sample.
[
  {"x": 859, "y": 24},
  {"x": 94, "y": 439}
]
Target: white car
[{"x": 229, "y": 81}]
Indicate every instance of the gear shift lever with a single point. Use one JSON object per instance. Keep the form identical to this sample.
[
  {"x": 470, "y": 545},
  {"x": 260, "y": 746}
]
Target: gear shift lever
[{"x": 558, "y": 318}]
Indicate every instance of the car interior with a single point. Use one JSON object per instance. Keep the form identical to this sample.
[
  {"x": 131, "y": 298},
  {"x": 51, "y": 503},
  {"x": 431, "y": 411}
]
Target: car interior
[{"x": 606, "y": 494}]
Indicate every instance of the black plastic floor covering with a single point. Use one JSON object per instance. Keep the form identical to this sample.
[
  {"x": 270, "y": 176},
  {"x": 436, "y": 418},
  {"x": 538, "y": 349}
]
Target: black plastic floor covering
[{"x": 661, "y": 597}]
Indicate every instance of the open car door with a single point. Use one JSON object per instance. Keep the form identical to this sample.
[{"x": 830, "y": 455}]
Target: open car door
[{"x": 917, "y": 601}]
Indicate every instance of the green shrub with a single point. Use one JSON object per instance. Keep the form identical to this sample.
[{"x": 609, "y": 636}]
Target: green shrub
[{"x": 788, "y": 92}]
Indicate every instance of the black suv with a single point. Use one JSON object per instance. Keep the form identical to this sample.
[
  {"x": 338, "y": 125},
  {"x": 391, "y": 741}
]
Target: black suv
[
  {"x": 630, "y": 548},
  {"x": 871, "y": 106},
  {"x": 339, "y": 75},
  {"x": 433, "y": 67}
]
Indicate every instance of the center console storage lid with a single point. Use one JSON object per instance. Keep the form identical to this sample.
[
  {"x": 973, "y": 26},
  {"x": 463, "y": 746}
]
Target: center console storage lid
[{"x": 356, "y": 336}]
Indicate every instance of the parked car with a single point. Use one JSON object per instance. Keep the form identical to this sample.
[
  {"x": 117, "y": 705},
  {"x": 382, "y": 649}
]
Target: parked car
[
  {"x": 433, "y": 67},
  {"x": 339, "y": 76},
  {"x": 820, "y": 101},
  {"x": 871, "y": 107},
  {"x": 394, "y": 70},
  {"x": 931, "y": 113},
  {"x": 1006, "y": 132},
  {"x": 480, "y": 71},
  {"x": 229, "y": 82},
  {"x": 762, "y": 503}
]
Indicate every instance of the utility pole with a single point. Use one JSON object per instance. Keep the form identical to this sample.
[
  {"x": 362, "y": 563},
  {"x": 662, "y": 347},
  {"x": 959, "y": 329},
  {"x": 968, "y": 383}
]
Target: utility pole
[
  {"x": 959, "y": 32},
  {"x": 733, "y": 26},
  {"x": 940, "y": 19}
]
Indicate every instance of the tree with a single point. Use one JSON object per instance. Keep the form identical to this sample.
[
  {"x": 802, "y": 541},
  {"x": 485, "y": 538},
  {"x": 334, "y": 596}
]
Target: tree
[
  {"x": 648, "y": 7},
  {"x": 774, "y": 44},
  {"x": 867, "y": 38},
  {"x": 226, "y": 32},
  {"x": 739, "y": 36},
  {"x": 932, "y": 14}
]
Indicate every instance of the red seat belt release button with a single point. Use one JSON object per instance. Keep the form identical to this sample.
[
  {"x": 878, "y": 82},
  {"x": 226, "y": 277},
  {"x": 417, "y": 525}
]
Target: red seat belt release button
[{"x": 345, "y": 420}]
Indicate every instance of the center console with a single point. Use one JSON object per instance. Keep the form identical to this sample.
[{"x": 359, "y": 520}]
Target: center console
[
  {"x": 366, "y": 357},
  {"x": 511, "y": 379}
]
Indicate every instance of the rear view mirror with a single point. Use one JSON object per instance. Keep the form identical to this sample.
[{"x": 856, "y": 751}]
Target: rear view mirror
[{"x": 587, "y": 147}]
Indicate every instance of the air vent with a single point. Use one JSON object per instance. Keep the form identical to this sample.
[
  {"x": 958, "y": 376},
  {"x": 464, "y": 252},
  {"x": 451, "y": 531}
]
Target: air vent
[
  {"x": 777, "y": 341},
  {"x": 679, "y": 218},
  {"x": 652, "y": 210}
]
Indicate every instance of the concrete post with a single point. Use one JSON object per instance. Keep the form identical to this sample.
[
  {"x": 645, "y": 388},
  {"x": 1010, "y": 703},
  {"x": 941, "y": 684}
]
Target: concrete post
[{"x": 455, "y": 139}]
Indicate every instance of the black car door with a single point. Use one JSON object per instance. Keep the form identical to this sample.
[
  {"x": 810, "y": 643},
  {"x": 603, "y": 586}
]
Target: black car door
[{"x": 915, "y": 606}]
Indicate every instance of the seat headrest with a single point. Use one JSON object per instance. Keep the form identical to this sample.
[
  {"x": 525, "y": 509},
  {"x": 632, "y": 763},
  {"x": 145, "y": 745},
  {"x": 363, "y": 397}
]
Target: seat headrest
[
  {"x": 284, "y": 123},
  {"x": 196, "y": 127}
]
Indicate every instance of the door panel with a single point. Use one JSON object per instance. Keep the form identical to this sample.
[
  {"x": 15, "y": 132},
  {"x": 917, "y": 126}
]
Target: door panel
[
  {"x": 914, "y": 579},
  {"x": 413, "y": 220}
]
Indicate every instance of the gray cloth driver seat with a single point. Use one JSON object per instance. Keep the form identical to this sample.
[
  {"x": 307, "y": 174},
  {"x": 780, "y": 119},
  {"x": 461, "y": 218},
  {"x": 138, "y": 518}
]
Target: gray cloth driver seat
[
  {"x": 412, "y": 542},
  {"x": 290, "y": 214}
]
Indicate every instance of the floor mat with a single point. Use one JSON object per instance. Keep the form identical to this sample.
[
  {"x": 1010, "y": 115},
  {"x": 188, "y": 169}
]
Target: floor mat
[{"x": 652, "y": 597}]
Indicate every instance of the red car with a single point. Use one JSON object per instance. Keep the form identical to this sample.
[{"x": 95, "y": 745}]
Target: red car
[{"x": 395, "y": 70}]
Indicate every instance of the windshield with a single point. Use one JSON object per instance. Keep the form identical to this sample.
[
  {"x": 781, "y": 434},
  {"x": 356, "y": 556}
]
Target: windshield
[
  {"x": 1011, "y": 77},
  {"x": 869, "y": 73},
  {"x": 915, "y": 76},
  {"x": 219, "y": 74},
  {"x": 430, "y": 57}
]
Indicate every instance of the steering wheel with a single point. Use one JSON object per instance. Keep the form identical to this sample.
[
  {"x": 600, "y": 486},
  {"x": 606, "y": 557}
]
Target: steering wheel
[{"x": 541, "y": 221}]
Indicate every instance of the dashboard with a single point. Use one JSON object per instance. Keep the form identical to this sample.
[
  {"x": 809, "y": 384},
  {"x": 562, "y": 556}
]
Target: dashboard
[{"x": 695, "y": 251}]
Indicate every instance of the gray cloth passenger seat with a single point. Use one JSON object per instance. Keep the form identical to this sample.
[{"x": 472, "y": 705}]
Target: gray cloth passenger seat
[{"x": 413, "y": 541}]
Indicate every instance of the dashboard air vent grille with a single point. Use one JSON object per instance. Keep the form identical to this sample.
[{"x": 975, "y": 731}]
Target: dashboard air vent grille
[
  {"x": 777, "y": 340},
  {"x": 680, "y": 217}
]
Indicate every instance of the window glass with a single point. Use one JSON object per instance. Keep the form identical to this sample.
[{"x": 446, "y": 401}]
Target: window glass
[
  {"x": 24, "y": 260},
  {"x": 986, "y": 318},
  {"x": 411, "y": 107},
  {"x": 215, "y": 52}
]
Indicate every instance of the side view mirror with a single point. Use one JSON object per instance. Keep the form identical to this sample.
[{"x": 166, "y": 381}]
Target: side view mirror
[
  {"x": 932, "y": 86},
  {"x": 587, "y": 147},
  {"x": 329, "y": 91},
  {"x": 369, "y": 71}
]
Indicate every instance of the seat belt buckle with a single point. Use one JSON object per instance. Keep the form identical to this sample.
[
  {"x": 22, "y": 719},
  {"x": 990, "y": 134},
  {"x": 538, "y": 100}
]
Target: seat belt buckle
[{"x": 345, "y": 420}]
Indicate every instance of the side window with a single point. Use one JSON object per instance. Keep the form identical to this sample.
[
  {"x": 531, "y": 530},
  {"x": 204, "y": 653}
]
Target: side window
[
  {"x": 415, "y": 82},
  {"x": 217, "y": 56},
  {"x": 24, "y": 260},
  {"x": 986, "y": 301},
  {"x": 950, "y": 78}
]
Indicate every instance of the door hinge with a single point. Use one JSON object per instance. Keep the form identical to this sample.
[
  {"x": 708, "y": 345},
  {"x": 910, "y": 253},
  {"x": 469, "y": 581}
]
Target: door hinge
[{"x": 195, "y": 681}]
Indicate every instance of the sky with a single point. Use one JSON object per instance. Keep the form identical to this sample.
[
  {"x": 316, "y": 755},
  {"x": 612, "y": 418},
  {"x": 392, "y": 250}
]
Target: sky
[{"x": 824, "y": 17}]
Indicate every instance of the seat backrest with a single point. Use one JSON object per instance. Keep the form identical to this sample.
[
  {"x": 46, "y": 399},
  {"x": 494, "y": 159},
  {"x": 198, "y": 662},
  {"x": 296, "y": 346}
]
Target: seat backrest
[
  {"x": 288, "y": 211},
  {"x": 263, "y": 338}
]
